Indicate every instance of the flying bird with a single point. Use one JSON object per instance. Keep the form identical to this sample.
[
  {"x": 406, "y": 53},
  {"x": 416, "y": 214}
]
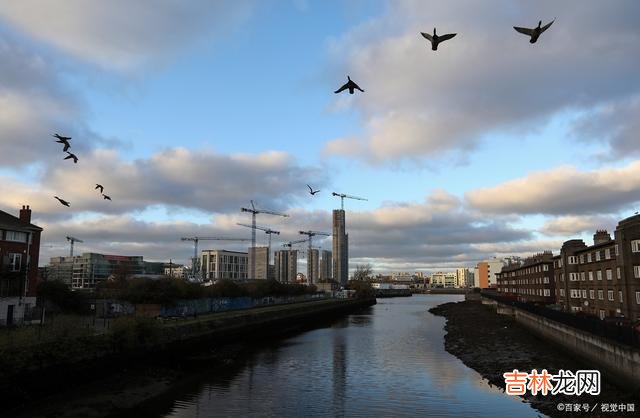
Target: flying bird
[
  {"x": 99, "y": 186},
  {"x": 63, "y": 140},
  {"x": 436, "y": 39},
  {"x": 311, "y": 191},
  {"x": 63, "y": 202},
  {"x": 349, "y": 85},
  {"x": 75, "y": 159},
  {"x": 105, "y": 197},
  {"x": 535, "y": 32}
]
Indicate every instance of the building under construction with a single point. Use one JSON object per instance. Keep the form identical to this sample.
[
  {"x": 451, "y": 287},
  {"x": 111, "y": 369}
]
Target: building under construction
[
  {"x": 259, "y": 263},
  {"x": 340, "y": 248},
  {"x": 286, "y": 266},
  {"x": 325, "y": 265}
]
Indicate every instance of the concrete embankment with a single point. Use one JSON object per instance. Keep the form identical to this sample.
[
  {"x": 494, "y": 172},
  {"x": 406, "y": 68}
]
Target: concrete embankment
[
  {"x": 618, "y": 361},
  {"x": 493, "y": 344},
  {"x": 32, "y": 369}
]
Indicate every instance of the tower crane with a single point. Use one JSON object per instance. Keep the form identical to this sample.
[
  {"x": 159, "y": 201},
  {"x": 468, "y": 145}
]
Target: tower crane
[
  {"x": 311, "y": 234},
  {"x": 72, "y": 240},
  {"x": 254, "y": 212},
  {"x": 194, "y": 263},
  {"x": 291, "y": 243},
  {"x": 342, "y": 196},
  {"x": 267, "y": 231}
]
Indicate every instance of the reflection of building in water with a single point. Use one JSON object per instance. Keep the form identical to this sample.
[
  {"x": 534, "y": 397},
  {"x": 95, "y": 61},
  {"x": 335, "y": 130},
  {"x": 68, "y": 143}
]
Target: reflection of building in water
[{"x": 339, "y": 374}]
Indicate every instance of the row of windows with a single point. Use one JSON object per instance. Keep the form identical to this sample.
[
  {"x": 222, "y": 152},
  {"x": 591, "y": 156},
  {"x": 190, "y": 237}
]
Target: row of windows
[
  {"x": 15, "y": 236},
  {"x": 538, "y": 292}
]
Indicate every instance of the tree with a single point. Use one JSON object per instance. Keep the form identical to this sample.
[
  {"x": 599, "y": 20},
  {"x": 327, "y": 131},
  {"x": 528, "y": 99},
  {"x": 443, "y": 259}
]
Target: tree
[{"x": 363, "y": 272}]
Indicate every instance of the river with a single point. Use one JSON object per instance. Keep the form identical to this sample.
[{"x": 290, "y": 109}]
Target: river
[{"x": 388, "y": 360}]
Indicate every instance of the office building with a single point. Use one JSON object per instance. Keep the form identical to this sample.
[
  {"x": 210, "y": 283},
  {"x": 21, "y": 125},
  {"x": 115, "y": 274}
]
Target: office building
[
  {"x": 223, "y": 264},
  {"x": 89, "y": 269}
]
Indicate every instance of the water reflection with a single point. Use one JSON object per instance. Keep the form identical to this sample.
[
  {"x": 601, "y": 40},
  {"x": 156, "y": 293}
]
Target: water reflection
[{"x": 386, "y": 361}]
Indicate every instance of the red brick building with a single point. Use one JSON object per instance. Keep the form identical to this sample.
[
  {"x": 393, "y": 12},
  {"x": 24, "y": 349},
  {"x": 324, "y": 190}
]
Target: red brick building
[
  {"x": 530, "y": 280},
  {"x": 19, "y": 255}
]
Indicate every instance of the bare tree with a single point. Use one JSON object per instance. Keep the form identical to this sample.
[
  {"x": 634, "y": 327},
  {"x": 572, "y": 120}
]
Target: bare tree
[{"x": 363, "y": 272}]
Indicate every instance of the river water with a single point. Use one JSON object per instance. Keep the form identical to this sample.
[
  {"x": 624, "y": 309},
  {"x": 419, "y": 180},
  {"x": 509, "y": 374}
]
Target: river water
[{"x": 388, "y": 360}]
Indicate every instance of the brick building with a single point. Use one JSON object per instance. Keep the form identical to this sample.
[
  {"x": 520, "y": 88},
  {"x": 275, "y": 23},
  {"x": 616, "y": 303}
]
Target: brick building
[
  {"x": 19, "y": 255},
  {"x": 529, "y": 280},
  {"x": 602, "y": 279}
]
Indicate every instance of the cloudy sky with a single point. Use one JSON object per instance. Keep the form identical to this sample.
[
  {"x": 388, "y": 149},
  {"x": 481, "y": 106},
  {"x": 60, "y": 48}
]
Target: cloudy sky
[{"x": 185, "y": 111}]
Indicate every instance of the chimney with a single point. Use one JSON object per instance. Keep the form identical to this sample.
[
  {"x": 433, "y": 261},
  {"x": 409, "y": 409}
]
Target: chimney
[
  {"x": 25, "y": 214},
  {"x": 601, "y": 236}
]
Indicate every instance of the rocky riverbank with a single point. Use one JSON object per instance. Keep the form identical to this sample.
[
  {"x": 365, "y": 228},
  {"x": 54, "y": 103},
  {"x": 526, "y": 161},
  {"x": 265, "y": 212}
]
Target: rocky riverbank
[{"x": 493, "y": 344}]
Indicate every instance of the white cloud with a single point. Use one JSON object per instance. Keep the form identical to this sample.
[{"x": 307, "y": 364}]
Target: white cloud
[
  {"x": 419, "y": 103},
  {"x": 562, "y": 190},
  {"x": 120, "y": 34}
]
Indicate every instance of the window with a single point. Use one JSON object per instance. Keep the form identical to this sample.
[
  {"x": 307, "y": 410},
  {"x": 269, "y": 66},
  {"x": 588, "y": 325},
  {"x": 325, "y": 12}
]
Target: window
[
  {"x": 610, "y": 295},
  {"x": 638, "y": 298},
  {"x": 607, "y": 253},
  {"x": 15, "y": 261},
  {"x": 573, "y": 277},
  {"x": 590, "y": 275},
  {"x": 547, "y": 292},
  {"x": 572, "y": 259},
  {"x": 615, "y": 249},
  {"x": 636, "y": 272},
  {"x": 620, "y": 296},
  {"x": 546, "y": 280},
  {"x": 601, "y": 314},
  {"x": 599, "y": 274},
  {"x": 635, "y": 246},
  {"x": 16, "y": 236},
  {"x": 592, "y": 294},
  {"x": 545, "y": 267},
  {"x": 609, "y": 274},
  {"x": 597, "y": 255},
  {"x": 600, "y": 294},
  {"x": 588, "y": 257},
  {"x": 562, "y": 294},
  {"x": 575, "y": 293},
  {"x": 618, "y": 273},
  {"x": 584, "y": 293},
  {"x": 582, "y": 276},
  {"x": 581, "y": 258}
]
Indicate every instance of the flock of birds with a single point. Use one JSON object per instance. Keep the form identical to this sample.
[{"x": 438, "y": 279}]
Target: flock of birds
[
  {"x": 435, "y": 39},
  {"x": 350, "y": 85},
  {"x": 64, "y": 140}
]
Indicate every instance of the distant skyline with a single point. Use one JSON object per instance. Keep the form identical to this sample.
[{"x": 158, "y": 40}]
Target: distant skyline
[{"x": 185, "y": 111}]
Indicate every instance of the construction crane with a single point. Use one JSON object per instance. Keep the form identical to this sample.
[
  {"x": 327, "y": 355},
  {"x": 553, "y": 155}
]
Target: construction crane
[
  {"x": 194, "y": 263},
  {"x": 291, "y": 243},
  {"x": 267, "y": 231},
  {"x": 72, "y": 240},
  {"x": 342, "y": 196},
  {"x": 311, "y": 234},
  {"x": 254, "y": 212}
]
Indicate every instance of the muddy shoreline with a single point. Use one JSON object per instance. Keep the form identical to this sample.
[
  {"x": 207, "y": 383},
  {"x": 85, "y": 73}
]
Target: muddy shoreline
[{"x": 493, "y": 344}]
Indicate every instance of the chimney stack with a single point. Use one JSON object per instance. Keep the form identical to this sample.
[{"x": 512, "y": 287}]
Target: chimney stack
[{"x": 25, "y": 214}]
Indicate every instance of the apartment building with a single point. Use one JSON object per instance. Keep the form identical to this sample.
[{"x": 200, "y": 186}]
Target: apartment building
[{"x": 530, "y": 280}]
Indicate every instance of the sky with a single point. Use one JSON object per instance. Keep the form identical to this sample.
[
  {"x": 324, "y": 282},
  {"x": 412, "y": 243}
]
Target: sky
[{"x": 186, "y": 111}]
